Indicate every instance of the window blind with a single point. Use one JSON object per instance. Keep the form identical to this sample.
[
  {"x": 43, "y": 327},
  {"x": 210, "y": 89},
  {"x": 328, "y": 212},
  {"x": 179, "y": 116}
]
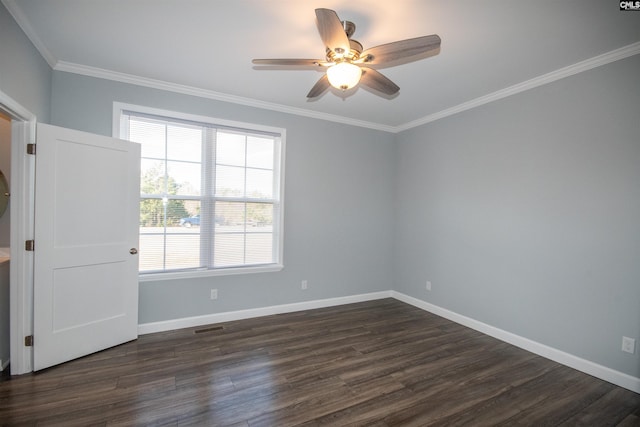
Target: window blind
[{"x": 209, "y": 195}]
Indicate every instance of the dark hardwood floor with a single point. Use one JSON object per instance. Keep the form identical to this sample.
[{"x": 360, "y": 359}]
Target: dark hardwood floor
[{"x": 378, "y": 363}]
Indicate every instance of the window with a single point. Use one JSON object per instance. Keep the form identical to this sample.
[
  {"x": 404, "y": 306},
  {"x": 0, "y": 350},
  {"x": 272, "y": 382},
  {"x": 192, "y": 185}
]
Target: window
[{"x": 210, "y": 193}]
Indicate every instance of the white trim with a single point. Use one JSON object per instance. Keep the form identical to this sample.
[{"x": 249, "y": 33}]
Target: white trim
[
  {"x": 3, "y": 365},
  {"x": 16, "y": 111},
  {"x": 229, "y": 316},
  {"x": 597, "y": 61},
  {"x": 599, "y": 371},
  {"x": 101, "y": 73},
  {"x": 22, "y": 229},
  {"x": 194, "y": 274},
  {"x": 119, "y": 107},
  {"x": 28, "y": 30},
  {"x": 607, "y": 374},
  {"x": 22, "y": 220}
]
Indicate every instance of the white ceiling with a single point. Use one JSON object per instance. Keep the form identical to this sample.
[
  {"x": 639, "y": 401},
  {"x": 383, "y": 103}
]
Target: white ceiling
[{"x": 488, "y": 47}]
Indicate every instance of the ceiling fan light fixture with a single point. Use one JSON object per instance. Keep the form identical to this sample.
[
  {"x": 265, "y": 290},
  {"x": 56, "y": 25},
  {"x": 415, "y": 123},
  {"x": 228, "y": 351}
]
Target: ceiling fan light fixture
[
  {"x": 348, "y": 65},
  {"x": 344, "y": 75}
]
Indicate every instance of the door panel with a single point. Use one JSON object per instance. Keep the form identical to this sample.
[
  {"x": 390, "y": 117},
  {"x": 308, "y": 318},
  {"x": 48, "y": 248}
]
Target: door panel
[{"x": 86, "y": 221}]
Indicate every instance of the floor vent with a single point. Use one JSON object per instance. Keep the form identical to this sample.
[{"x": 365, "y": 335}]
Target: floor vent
[{"x": 212, "y": 329}]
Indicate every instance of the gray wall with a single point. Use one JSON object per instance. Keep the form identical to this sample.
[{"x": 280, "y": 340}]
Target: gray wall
[
  {"x": 26, "y": 78},
  {"x": 525, "y": 214},
  {"x": 24, "y": 75},
  {"x": 338, "y": 210}
]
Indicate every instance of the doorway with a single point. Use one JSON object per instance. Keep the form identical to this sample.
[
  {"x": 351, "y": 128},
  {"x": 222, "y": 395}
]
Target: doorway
[
  {"x": 5, "y": 228},
  {"x": 23, "y": 231},
  {"x": 21, "y": 216}
]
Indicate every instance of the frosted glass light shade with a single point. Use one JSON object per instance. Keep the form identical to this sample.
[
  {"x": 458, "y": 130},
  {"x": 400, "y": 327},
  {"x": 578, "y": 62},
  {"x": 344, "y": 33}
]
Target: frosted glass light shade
[{"x": 344, "y": 75}]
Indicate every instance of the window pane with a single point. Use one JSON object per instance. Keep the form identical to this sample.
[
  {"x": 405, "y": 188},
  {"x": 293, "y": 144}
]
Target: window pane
[
  {"x": 151, "y": 253},
  {"x": 183, "y": 251},
  {"x": 183, "y": 178},
  {"x": 184, "y": 143},
  {"x": 193, "y": 214},
  {"x": 152, "y": 177},
  {"x": 230, "y": 216},
  {"x": 230, "y": 181},
  {"x": 151, "y": 215},
  {"x": 259, "y": 152},
  {"x": 162, "y": 212},
  {"x": 259, "y": 248},
  {"x": 150, "y": 135},
  {"x": 176, "y": 210},
  {"x": 259, "y": 217},
  {"x": 228, "y": 250},
  {"x": 259, "y": 183},
  {"x": 230, "y": 149},
  {"x": 175, "y": 246}
]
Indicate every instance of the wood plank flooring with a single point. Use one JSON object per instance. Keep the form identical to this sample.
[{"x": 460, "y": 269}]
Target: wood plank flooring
[{"x": 378, "y": 363}]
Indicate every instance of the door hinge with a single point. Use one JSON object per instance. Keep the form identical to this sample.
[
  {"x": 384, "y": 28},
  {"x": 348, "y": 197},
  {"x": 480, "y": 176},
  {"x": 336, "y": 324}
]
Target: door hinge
[
  {"x": 29, "y": 245},
  {"x": 31, "y": 148},
  {"x": 28, "y": 341}
]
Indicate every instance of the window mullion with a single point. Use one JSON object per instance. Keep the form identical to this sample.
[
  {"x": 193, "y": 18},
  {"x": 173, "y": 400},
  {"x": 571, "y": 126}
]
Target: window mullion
[
  {"x": 207, "y": 229},
  {"x": 165, "y": 199},
  {"x": 244, "y": 240}
]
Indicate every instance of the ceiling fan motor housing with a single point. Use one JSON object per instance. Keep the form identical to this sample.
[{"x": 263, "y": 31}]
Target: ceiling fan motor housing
[
  {"x": 349, "y": 27},
  {"x": 338, "y": 55}
]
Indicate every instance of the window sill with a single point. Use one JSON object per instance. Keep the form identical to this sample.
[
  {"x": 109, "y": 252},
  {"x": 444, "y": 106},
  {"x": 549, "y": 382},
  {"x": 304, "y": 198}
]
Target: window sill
[{"x": 153, "y": 277}]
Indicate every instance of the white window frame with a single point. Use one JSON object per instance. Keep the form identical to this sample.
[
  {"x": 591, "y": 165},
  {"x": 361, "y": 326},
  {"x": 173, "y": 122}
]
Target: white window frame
[{"x": 118, "y": 130}]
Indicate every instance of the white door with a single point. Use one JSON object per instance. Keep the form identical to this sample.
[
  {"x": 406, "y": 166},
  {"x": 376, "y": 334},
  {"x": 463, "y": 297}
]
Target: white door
[{"x": 86, "y": 239}]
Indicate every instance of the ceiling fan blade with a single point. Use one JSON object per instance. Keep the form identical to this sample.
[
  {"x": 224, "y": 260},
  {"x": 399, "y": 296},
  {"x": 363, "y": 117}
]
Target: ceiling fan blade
[
  {"x": 375, "y": 80},
  {"x": 319, "y": 88},
  {"x": 331, "y": 31},
  {"x": 401, "y": 50},
  {"x": 289, "y": 61}
]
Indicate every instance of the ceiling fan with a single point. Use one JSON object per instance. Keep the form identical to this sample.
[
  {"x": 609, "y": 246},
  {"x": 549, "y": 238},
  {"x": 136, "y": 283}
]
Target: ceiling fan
[{"x": 347, "y": 63}]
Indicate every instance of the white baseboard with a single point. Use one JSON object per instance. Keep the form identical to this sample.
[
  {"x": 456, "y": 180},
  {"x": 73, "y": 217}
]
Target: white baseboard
[
  {"x": 4, "y": 364},
  {"x": 208, "y": 319},
  {"x": 607, "y": 374}
]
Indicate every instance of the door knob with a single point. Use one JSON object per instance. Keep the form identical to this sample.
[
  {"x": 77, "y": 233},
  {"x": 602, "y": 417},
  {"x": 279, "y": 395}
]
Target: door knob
[{"x": 133, "y": 251}]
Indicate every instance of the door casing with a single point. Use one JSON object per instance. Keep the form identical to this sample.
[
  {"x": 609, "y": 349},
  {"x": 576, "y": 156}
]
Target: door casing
[{"x": 23, "y": 125}]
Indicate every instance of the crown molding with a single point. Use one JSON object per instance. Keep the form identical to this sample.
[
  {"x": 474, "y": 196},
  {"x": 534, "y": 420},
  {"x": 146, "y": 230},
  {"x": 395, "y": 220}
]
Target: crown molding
[
  {"x": 597, "y": 61},
  {"x": 26, "y": 27},
  {"x": 209, "y": 94}
]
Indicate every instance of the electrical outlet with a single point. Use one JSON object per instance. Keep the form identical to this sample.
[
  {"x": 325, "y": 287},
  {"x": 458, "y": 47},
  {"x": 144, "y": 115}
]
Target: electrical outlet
[
  {"x": 428, "y": 285},
  {"x": 214, "y": 294},
  {"x": 304, "y": 285},
  {"x": 628, "y": 345}
]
